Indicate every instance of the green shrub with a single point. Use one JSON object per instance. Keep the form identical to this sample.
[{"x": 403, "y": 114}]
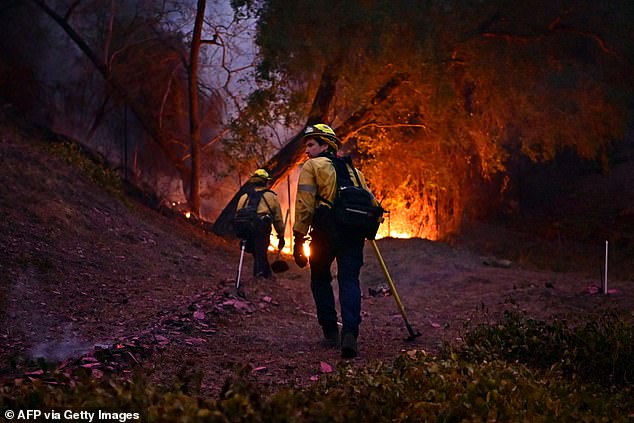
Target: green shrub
[
  {"x": 91, "y": 165},
  {"x": 599, "y": 351},
  {"x": 414, "y": 388}
]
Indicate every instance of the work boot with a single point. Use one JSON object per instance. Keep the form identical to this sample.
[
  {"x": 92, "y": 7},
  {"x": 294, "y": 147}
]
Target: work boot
[
  {"x": 331, "y": 337},
  {"x": 348, "y": 345}
]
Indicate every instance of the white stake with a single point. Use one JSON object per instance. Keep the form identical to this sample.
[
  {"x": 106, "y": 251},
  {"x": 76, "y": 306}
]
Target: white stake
[{"x": 605, "y": 275}]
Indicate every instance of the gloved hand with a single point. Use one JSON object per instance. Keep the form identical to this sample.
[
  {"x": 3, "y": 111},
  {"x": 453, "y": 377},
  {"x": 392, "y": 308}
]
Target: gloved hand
[
  {"x": 298, "y": 250},
  {"x": 281, "y": 243}
]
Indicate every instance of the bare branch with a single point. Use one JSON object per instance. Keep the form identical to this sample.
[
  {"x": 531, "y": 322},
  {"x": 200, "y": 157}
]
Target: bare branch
[
  {"x": 164, "y": 100},
  {"x": 210, "y": 143},
  {"x": 71, "y": 8},
  {"x": 104, "y": 71},
  {"x": 382, "y": 126},
  {"x": 106, "y": 49},
  {"x": 554, "y": 26},
  {"x": 558, "y": 26},
  {"x": 214, "y": 40}
]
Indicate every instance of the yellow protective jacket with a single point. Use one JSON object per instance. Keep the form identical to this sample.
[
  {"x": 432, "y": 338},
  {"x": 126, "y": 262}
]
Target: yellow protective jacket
[
  {"x": 269, "y": 205},
  {"x": 317, "y": 177}
]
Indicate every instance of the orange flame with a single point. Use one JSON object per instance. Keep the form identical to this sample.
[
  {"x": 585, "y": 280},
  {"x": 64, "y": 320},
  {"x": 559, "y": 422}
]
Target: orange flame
[
  {"x": 401, "y": 224},
  {"x": 394, "y": 226}
]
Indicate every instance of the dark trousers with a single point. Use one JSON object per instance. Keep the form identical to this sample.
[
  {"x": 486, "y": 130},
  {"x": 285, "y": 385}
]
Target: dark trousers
[
  {"x": 348, "y": 252},
  {"x": 259, "y": 245}
]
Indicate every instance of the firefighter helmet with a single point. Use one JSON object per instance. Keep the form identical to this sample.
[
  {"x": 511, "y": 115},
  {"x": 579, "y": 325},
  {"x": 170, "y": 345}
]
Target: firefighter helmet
[
  {"x": 323, "y": 132},
  {"x": 262, "y": 174}
]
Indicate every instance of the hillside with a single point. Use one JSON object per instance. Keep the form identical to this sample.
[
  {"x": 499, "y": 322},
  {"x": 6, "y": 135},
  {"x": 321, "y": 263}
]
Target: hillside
[{"x": 91, "y": 278}]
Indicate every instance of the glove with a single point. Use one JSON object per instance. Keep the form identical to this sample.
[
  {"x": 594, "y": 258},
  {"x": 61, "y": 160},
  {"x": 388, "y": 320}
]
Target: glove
[
  {"x": 298, "y": 251},
  {"x": 281, "y": 243}
]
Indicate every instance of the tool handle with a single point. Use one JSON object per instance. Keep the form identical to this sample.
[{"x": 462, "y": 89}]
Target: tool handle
[
  {"x": 389, "y": 280},
  {"x": 243, "y": 245},
  {"x": 412, "y": 333}
]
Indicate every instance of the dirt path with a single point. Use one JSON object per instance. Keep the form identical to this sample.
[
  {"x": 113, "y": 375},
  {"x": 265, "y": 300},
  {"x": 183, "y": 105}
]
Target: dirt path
[
  {"x": 442, "y": 289},
  {"x": 89, "y": 281}
]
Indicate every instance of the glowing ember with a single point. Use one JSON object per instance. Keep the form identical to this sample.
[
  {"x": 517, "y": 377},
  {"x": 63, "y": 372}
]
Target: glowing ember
[{"x": 188, "y": 215}]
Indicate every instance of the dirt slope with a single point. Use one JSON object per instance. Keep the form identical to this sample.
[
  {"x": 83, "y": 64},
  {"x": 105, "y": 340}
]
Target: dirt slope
[{"x": 89, "y": 281}]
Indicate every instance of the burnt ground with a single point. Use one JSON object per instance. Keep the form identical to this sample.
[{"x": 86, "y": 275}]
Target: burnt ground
[{"x": 88, "y": 280}]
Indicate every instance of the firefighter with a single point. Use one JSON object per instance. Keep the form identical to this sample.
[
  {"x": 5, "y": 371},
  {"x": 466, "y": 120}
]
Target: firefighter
[
  {"x": 316, "y": 190},
  {"x": 270, "y": 213}
]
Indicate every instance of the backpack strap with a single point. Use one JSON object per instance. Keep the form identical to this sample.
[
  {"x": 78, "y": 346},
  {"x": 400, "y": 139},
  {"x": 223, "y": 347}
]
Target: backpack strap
[
  {"x": 342, "y": 174},
  {"x": 354, "y": 171},
  {"x": 258, "y": 195},
  {"x": 266, "y": 202}
]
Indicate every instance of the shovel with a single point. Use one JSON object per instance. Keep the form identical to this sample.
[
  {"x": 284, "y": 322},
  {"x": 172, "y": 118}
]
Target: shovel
[
  {"x": 413, "y": 334},
  {"x": 279, "y": 265}
]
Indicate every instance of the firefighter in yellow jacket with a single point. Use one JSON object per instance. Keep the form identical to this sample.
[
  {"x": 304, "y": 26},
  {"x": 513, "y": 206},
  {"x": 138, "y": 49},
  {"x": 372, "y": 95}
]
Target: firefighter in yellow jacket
[
  {"x": 270, "y": 212},
  {"x": 316, "y": 191}
]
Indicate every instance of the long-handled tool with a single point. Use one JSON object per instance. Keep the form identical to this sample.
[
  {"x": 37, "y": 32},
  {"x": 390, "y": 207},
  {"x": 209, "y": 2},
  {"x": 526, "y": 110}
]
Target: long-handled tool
[
  {"x": 413, "y": 334},
  {"x": 243, "y": 245}
]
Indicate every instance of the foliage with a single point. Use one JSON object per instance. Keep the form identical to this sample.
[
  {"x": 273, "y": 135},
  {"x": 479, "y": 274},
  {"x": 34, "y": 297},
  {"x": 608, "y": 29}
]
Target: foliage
[
  {"x": 601, "y": 350},
  {"x": 486, "y": 84},
  {"x": 415, "y": 387},
  {"x": 91, "y": 165},
  {"x": 249, "y": 146}
]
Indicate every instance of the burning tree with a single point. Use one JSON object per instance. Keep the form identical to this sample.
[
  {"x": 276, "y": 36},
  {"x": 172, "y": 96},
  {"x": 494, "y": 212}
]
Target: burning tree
[{"x": 479, "y": 87}]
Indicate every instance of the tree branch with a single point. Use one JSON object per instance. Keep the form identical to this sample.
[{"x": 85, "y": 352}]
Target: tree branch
[
  {"x": 71, "y": 8},
  {"x": 103, "y": 70},
  {"x": 554, "y": 26},
  {"x": 379, "y": 125}
]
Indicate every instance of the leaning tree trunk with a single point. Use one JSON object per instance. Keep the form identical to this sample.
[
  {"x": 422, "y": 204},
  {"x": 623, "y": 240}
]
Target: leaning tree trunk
[
  {"x": 291, "y": 154},
  {"x": 282, "y": 163}
]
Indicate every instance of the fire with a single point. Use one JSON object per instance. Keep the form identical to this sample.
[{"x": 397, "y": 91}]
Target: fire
[
  {"x": 188, "y": 215},
  {"x": 274, "y": 242},
  {"x": 394, "y": 234},
  {"x": 394, "y": 228},
  {"x": 401, "y": 224},
  {"x": 287, "y": 247},
  {"x": 388, "y": 229}
]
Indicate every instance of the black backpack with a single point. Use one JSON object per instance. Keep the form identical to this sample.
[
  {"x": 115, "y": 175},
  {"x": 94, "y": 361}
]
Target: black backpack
[
  {"x": 353, "y": 207},
  {"x": 247, "y": 222}
]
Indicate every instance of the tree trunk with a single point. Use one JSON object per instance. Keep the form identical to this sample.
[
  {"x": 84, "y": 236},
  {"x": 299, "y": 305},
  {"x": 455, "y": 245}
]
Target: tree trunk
[
  {"x": 194, "y": 115},
  {"x": 282, "y": 163},
  {"x": 291, "y": 154}
]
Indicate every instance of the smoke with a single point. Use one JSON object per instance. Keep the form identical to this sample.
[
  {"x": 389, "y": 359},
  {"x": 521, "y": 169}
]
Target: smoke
[
  {"x": 27, "y": 311},
  {"x": 61, "y": 349}
]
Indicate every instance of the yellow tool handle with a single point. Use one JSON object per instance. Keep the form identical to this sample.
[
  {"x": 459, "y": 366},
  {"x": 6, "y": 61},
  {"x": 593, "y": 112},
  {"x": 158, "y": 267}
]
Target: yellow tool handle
[{"x": 389, "y": 280}]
